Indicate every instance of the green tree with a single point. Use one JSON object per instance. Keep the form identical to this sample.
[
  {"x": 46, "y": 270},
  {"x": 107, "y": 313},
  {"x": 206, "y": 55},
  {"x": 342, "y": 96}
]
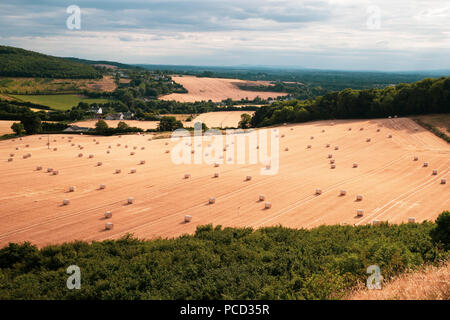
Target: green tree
[
  {"x": 122, "y": 126},
  {"x": 18, "y": 128},
  {"x": 101, "y": 126},
  {"x": 169, "y": 124},
  {"x": 31, "y": 123},
  {"x": 441, "y": 233},
  {"x": 245, "y": 121}
]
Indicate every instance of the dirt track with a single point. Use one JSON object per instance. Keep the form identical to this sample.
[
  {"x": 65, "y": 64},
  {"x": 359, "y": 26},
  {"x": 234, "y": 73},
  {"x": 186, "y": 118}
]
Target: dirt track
[
  {"x": 215, "y": 89},
  {"x": 394, "y": 187}
]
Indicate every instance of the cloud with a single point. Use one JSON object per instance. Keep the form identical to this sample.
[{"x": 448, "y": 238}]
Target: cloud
[{"x": 319, "y": 34}]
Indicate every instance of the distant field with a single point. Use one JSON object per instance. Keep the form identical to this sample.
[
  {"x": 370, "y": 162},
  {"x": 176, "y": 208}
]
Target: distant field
[
  {"x": 216, "y": 89},
  {"x": 46, "y": 85},
  {"x": 57, "y": 101},
  {"x": 5, "y": 127},
  {"x": 219, "y": 119}
]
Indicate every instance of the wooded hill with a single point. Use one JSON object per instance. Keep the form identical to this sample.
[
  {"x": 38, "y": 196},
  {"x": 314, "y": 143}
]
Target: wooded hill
[{"x": 16, "y": 62}]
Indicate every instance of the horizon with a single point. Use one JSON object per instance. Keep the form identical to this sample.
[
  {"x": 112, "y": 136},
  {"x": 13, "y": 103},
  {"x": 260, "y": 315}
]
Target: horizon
[{"x": 325, "y": 35}]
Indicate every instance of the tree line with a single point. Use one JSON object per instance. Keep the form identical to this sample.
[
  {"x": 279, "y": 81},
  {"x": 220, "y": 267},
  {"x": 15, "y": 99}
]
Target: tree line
[{"x": 422, "y": 97}]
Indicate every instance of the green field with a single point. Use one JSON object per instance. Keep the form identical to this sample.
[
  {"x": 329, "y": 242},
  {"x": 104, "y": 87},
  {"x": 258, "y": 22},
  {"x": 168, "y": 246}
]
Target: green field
[{"x": 58, "y": 101}]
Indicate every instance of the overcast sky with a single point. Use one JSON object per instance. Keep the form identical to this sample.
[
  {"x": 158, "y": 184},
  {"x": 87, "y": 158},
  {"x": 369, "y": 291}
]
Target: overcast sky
[{"x": 334, "y": 34}]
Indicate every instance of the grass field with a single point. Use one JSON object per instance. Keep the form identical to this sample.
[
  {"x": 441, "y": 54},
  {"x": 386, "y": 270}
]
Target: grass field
[
  {"x": 58, "y": 101},
  {"x": 45, "y": 85}
]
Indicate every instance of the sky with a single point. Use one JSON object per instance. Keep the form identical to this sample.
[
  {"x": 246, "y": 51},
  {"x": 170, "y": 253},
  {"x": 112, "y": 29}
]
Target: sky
[{"x": 334, "y": 34}]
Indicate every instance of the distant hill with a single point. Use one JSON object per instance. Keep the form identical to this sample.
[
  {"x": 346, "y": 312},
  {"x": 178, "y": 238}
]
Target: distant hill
[
  {"x": 103, "y": 62},
  {"x": 16, "y": 62}
]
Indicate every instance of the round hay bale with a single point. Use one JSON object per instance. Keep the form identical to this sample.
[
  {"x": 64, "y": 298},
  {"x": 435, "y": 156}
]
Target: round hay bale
[
  {"x": 130, "y": 200},
  {"x": 378, "y": 130},
  {"x": 292, "y": 129},
  {"x": 318, "y": 191},
  {"x": 49, "y": 169},
  {"x": 107, "y": 151},
  {"x": 134, "y": 148},
  {"x": 167, "y": 151},
  {"x": 390, "y": 136},
  {"x": 443, "y": 181},
  {"x": 142, "y": 162},
  {"x": 187, "y": 218},
  {"x": 65, "y": 202},
  {"x": 212, "y": 200},
  {"x": 434, "y": 172},
  {"x": 73, "y": 144},
  {"x": 17, "y": 148},
  {"x": 282, "y": 135},
  {"x": 312, "y": 138},
  {"x": 333, "y": 166},
  {"x": 72, "y": 189},
  {"x": 132, "y": 153},
  {"x": 330, "y": 156},
  {"x": 80, "y": 155},
  {"x": 425, "y": 164},
  {"x": 359, "y": 197},
  {"x": 97, "y": 142},
  {"x": 355, "y": 165},
  {"x": 323, "y": 130},
  {"x": 343, "y": 192},
  {"x": 267, "y": 205},
  {"x": 10, "y": 159},
  {"x": 411, "y": 220},
  {"x": 118, "y": 144},
  {"x": 142, "y": 148},
  {"x": 192, "y": 151},
  {"x": 109, "y": 226},
  {"x": 331, "y": 161},
  {"x": 102, "y": 186},
  {"x": 126, "y": 146},
  {"x": 286, "y": 149},
  {"x": 416, "y": 158},
  {"x": 350, "y": 129},
  {"x": 216, "y": 175},
  {"x": 308, "y": 146},
  {"x": 118, "y": 171},
  {"x": 38, "y": 168},
  {"x": 361, "y": 129},
  {"x": 108, "y": 214},
  {"x": 11, "y": 154},
  {"x": 27, "y": 146},
  {"x": 99, "y": 163},
  {"x": 91, "y": 156},
  {"x": 216, "y": 164},
  {"x": 368, "y": 140},
  {"x": 24, "y": 156},
  {"x": 359, "y": 212},
  {"x": 336, "y": 148},
  {"x": 248, "y": 178},
  {"x": 262, "y": 197},
  {"x": 187, "y": 175},
  {"x": 133, "y": 170},
  {"x": 327, "y": 146},
  {"x": 55, "y": 172},
  {"x": 55, "y": 149},
  {"x": 166, "y": 143}
]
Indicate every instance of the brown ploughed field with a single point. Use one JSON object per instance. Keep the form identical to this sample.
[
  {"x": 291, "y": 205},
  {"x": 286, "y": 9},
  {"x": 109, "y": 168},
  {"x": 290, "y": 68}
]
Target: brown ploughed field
[
  {"x": 215, "y": 89},
  {"x": 394, "y": 186}
]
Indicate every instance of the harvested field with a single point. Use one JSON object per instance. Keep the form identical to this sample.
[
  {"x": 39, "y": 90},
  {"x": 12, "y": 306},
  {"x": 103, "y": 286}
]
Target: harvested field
[
  {"x": 394, "y": 186},
  {"x": 215, "y": 89},
  {"x": 219, "y": 119},
  {"x": 439, "y": 121},
  {"x": 113, "y": 123},
  {"x": 5, "y": 127}
]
